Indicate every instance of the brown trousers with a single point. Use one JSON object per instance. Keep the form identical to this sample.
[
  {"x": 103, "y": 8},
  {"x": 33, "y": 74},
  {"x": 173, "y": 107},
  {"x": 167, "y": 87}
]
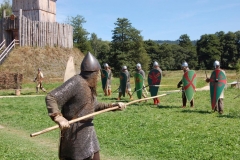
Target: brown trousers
[{"x": 219, "y": 106}]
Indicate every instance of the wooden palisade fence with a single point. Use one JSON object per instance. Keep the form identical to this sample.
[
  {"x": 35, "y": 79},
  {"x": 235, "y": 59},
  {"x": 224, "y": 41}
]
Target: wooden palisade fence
[
  {"x": 40, "y": 34},
  {"x": 35, "y": 33}
]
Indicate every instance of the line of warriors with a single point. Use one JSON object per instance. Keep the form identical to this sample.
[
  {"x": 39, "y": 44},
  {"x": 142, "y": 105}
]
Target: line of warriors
[
  {"x": 187, "y": 84},
  {"x": 154, "y": 78}
]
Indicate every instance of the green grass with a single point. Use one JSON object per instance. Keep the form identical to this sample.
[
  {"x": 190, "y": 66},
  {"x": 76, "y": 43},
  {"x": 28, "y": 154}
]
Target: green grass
[{"x": 142, "y": 131}]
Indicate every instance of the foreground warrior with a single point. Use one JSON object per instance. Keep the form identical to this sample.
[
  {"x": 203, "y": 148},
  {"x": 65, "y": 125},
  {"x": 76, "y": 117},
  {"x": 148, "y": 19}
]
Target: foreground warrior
[
  {"x": 156, "y": 66},
  {"x": 77, "y": 98},
  {"x": 107, "y": 90},
  {"x": 39, "y": 79},
  {"x": 128, "y": 86},
  {"x": 140, "y": 71},
  {"x": 219, "y": 104},
  {"x": 184, "y": 98}
]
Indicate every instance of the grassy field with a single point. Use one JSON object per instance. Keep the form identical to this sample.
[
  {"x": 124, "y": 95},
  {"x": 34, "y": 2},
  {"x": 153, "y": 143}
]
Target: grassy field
[{"x": 142, "y": 131}]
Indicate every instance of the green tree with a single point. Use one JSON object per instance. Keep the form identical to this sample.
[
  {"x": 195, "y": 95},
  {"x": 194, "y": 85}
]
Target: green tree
[
  {"x": 229, "y": 50},
  {"x": 5, "y": 5},
  {"x": 95, "y": 43},
  {"x": 184, "y": 41},
  {"x": 189, "y": 50},
  {"x": 103, "y": 52},
  {"x": 208, "y": 50},
  {"x": 80, "y": 35},
  {"x": 127, "y": 47},
  {"x": 165, "y": 57},
  {"x": 238, "y": 44}
]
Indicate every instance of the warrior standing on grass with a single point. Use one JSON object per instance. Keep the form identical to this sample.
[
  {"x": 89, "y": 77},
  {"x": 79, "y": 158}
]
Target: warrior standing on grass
[
  {"x": 156, "y": 66},
  {"x": 128, "y": 86},
  {"x": 107, "y": 89},
  {"x": 39, "y": 79},
  {"x": 184, "y": 98},
  {"x": 76, "y": 98},
  {"x": 214, "y": 80},
  {"x": 140, "y": 71}
]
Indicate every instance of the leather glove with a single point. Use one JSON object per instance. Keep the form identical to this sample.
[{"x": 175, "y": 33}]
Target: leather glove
[
  {"x": 121, "y": 105},
  {"x": 207, "y": 80},
  {"x": 179, "y": 85},
  {"x": 62, "y": 122}
]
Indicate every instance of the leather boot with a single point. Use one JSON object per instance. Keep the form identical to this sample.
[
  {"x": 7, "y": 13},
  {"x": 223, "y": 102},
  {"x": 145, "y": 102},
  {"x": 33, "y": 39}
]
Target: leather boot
[
  {"x": 37, "y": 89},
  {"x": 109, "y": 92},
  {"x": 184, "y": 101},
  {"x": 144, "y": 96},
  {"x": 130, "y": 95},
  {"x": 105, "y": 92},
  {"x": 192, "y": 103},
  {"x": 155, "y": 102},
  {"x": 44, "y": 90},
  {"x": 119, "y": 96},
  {"x": 158, "y": 101}
]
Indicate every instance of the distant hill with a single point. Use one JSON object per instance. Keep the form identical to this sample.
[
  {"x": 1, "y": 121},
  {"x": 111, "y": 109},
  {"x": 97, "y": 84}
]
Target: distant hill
[
  {"x": 52, "y": 61},
  {"x": 172, "y": 42}
]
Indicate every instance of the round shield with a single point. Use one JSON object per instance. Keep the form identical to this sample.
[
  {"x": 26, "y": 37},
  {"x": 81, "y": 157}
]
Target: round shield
[
  {"x": 218, "y": 81},
  {"x": 154, "y": 80},
  {"x": 138, "y": 79},
  {"x": 189, "y": 84}
]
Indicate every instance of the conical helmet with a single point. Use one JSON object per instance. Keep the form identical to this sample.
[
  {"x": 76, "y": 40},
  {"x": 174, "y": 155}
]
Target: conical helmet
[
  {"x": 155, "y": 64},
  {"x": 216, "y": 63},
  {"x": 139, "y": 65},
  {"x": 90, "y": 63},
  {"x": 184, "y": 64}
]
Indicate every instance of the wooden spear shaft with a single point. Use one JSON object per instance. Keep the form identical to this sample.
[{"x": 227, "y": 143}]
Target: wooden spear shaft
[{"x": 92, "y": 114}]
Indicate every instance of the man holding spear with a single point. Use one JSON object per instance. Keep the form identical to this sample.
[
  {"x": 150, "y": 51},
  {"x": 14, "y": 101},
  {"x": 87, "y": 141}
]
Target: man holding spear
[
  {"x": 191, "y": 83},
  {"x": 77, "y": 98}
]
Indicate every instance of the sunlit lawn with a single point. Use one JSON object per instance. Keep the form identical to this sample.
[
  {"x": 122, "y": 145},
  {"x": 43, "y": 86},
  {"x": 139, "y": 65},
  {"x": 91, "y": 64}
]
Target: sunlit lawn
[{"x": 142, "y": 131}]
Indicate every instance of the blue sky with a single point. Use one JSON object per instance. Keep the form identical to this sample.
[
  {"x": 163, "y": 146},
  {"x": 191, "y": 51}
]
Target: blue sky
[{"x": 156, "y": 19}]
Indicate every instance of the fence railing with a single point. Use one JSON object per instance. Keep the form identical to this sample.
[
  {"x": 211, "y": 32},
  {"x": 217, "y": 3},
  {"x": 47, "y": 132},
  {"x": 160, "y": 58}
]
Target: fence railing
[
  {"x": 7, "y": 50},
  {"x": 2, "y": 44}
]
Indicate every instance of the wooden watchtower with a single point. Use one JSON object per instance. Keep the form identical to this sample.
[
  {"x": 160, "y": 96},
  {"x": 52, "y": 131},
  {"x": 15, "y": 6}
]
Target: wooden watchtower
[
  {"x": 36, "y": 10},
  {"x": 33, "y": 23}
]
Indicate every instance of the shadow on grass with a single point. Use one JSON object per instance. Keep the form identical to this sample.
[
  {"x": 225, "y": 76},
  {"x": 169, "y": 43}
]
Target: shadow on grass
[
  {"x": 163, "y": 107},
  {"x": 234, "y": 116},
  {"x": 196, "y": 111}
]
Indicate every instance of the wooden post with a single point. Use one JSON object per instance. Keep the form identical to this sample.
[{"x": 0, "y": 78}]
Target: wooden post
[{"x": 20, "y": 27}]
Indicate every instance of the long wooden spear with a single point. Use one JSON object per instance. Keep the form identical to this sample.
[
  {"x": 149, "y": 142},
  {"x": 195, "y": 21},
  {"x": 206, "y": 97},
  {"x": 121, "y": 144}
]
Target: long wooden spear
[{"x": 93, "y": 114}]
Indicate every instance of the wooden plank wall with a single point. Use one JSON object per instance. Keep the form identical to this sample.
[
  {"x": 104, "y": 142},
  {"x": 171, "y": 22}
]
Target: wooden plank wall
[
  {"x": 6, "y": 27},
  {"x": 40, "y": 34},
  {"x": 34, "y": 5},
  {"x": 36, "y": 10}
]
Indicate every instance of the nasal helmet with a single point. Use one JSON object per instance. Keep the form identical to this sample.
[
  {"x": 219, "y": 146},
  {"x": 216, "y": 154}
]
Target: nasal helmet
[
  {"x": 138, "y": 65},
  {"x": 216, "y": 63},
  {"x": 185, "y": 64},
  {"x": 155, "y": 64},
  {"x": 105, "y": 65},
  {"x": 124, "y": 67}
]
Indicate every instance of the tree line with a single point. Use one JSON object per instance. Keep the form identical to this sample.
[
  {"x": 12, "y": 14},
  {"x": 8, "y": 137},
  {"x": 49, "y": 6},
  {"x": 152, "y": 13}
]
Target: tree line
[{"x": 127, "y": 47}]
